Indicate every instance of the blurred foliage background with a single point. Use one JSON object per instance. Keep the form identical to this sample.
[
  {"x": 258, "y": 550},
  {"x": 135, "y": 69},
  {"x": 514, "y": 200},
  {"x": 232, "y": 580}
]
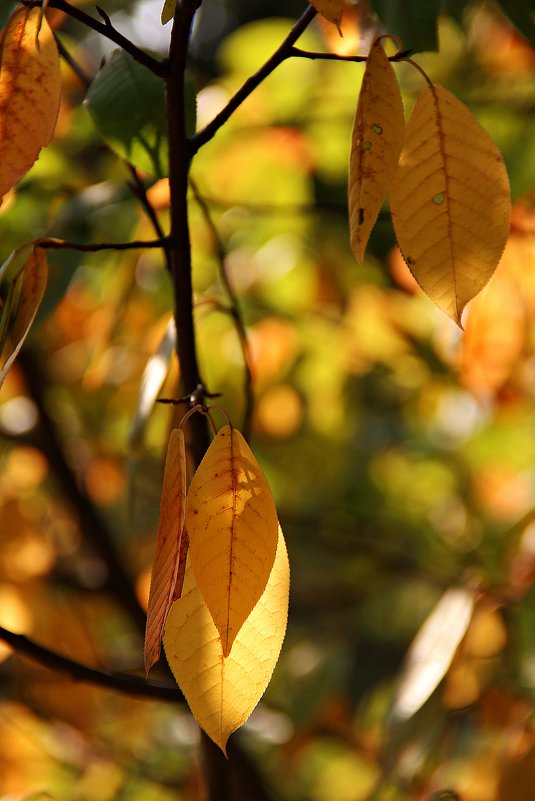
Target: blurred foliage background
[{"x": 401, "y": 451}]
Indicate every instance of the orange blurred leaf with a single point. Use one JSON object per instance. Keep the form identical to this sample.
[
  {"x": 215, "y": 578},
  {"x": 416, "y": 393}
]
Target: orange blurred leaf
[
  {"x": 232, "y": 525},
  {"x": 30, "y": 84},
  {"x": 450, "y": 201},
  {"x": 376, "y": 143},
  {"x": 222, "y": 691},
  {"x": 26, "y": 286},
  {"x": 163, "y": 584}
]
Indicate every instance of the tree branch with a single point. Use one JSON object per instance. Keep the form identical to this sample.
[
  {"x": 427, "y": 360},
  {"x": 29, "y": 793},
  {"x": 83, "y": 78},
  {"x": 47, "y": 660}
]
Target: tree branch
[
  {"x": 233, "y": 309},
  {"x": 107, "y": 30},
  {"x": 281, "y": 54},
  {"x": 296, "y": 52},
  {"x": 131, "y": 685},
  {"x": 60, "y": 244}
]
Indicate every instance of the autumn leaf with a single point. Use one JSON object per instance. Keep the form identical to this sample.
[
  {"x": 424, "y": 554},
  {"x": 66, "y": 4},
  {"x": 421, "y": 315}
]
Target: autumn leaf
[
  {"x": 330, "y": 9},
  {"x": 29, "y": 93},
  {"x": 376, "y": 143},
  {"x": 450, "y": 201},
  {"x": 167, "y": 555},
  {"x": 168, "y": 11},
  {"x": 232, "y": 525},
  {"x": 24, "y": 276},
  {"x": 223, "y": 691}
]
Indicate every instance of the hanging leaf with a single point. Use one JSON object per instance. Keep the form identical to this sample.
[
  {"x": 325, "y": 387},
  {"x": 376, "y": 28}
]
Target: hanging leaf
[
  {"x": 223, "y": 691},
  {"x": 30, "y": 85},
  {"x": 232, "y": 525},
  {"x": 450, "y": 201},
  {"x": 168, "y": 11},
  {"x": 376, "y": 143},
  {"x": 330, "y": 9},
  {"x": 127, "y": 104},
  {"x": 23, "y": 278},
  {"x": 432, "y": 651},
  {"x": 166, "y": 558}
]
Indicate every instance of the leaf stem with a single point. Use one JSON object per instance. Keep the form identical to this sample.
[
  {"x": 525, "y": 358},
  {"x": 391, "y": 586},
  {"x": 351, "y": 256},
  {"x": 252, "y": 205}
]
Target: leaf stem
[
  {"x": 281, "y": 54},
  {"x": 107, "y": 30}
]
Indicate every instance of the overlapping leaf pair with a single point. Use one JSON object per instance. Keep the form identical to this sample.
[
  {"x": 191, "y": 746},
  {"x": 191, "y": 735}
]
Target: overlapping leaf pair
[
  {"x": 445, "y": 180},
  {"x": 224, "y": 611}
]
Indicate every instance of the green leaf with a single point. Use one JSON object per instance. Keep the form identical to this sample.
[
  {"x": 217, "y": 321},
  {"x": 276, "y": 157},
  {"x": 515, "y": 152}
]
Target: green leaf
[
  {"x": 414, "y": 21},
  {"x": 127, "y": 104},
  {"x": 522, "y": 15}
]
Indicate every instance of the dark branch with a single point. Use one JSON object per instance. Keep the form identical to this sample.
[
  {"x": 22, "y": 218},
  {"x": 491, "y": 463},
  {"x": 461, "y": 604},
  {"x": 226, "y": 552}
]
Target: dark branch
[
  {"x": 296, "y": 52},
  {"x": 131, "y": 685},
  {"x": 60, "y": 244},
  {"x": 280, "y": 55},
  {"x": 233, "y": 308},
  {"x": 105, "y": 29}
]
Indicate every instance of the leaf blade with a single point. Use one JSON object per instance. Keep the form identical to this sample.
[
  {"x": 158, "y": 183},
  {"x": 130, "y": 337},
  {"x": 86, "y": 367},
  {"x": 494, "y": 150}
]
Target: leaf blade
[
  {"x": 376, "y": 141},
  {"x": 165, "y": 570},
  {"x": 450, "y": 201},
  {"x": 233, "y": 530},
  {"x": 34, "y": 273},
  {"x": 30, "y": 85},
  {"x": 223, "y": 691}
]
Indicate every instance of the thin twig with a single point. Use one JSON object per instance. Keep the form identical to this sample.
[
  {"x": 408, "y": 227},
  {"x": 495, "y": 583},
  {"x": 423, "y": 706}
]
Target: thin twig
[
  {"x": 79, "y": 71},
  {"x": 281, "y": 54},
  {"x": 233, "y": 308},
  {"x": 139, "y": 189},
  {"x": 107, "y": 30},
  {"x": 136, "y": 244},
  {"x": 297, "y": 52},
  {"x": 131, "y": 685}
]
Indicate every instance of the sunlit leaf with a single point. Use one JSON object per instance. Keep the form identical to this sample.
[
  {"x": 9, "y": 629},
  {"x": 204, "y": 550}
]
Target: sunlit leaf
[
  {"x": 232, "y": 525},
  {"x": 450, "y": 201},
  {"x": 223, "y": 691},
  {"x": 168, "y": 11},
  {"x": 30, "y": 87},
  {"x": 432, "y": 651},
  {"x": 18, "y": 314},
  {"x": 166, "y": 558},
  {"x": 376, "y": 143},
  {"x": 330, "y": 9}
]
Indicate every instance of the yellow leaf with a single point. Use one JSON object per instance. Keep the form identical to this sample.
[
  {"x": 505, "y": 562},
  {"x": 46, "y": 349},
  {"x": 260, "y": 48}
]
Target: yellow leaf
[
  {"x": 376, "y": 143},
  {"x": 168, "y": 11},
  {"x": 450, "y": 201},
  {"x": 30, "y": 283},
  {"x": 29, "y": 93},
  {"x": 167, "y": 555},
  {"x": 223, "y": 691},
  {"x": 232, "y": 525},
  {"x": 331, "y": 10}
]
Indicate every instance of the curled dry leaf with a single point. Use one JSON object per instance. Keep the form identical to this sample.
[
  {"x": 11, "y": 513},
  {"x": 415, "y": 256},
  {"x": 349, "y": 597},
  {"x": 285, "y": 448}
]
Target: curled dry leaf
[
  {"x": 376, "y": 142},
  {"x": 450, "y": 201},
  {"x": 223, "y": 691},
  {"x": 26, "y": 286},
  {"x": 30, "y": 84},
  {"x": 166, "y": 565},
  {"x": 232, "y": 526}
]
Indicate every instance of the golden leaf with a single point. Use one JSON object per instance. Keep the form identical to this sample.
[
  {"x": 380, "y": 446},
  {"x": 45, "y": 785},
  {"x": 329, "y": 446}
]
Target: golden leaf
[
  {"x": 450, "y": 201},
  {"x": 376, "y": 143},
  {"x": 30, "y": 86},
  {"x": 232, "y": 525},
  {"x": 167, "y": 555},
  {"x": 223, "y": 691},
  {"x": 26, "y": 287},
  {"x": 168, "y": 11},
  {"x": 330, "y": 9}
]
